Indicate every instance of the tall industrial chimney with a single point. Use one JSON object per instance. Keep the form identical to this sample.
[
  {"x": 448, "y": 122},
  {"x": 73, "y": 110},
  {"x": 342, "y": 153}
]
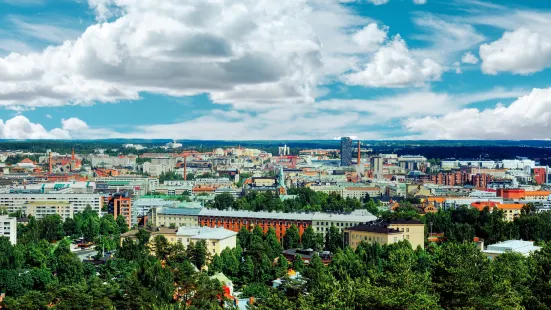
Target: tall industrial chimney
[
  {"x": 50, "y": 162},
  {"x": 185, "y": 167}
]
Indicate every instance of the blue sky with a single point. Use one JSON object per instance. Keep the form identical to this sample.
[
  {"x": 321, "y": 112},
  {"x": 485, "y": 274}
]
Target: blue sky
[{"x": 288, "y": 69}]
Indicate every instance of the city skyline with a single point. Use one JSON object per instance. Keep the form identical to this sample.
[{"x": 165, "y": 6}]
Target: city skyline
[{"x": 264, "y": 70}]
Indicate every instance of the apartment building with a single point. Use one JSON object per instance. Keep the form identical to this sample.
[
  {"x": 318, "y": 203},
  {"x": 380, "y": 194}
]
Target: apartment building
[
  {"x": 322, "y": 222},
  {"x": 120, "y": 204},
  {"x": 165, "y": 216},
  {"x": 40, "y": 205},
  {"x": 8, "y": 228},
  {"x": 217, "y": 239},
  {"x": 386, "y": 233}
]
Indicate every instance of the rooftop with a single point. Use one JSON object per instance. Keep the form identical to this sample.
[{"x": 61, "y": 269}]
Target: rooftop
[
  {"x": 518, "y": 246},
  {"x": 179, "y": 211},
  {"x": 204, "y": 232},
  {"x": 379, "y": 229}
]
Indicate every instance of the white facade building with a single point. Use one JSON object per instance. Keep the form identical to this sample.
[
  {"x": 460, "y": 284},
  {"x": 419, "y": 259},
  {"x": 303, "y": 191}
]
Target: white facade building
[
  {"x": 40, "y": 205},
  {"x": 8, "y": 228}
]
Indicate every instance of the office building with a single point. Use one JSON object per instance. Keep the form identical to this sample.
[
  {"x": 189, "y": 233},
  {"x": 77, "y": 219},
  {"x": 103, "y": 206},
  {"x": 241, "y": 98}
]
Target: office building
[
  {"x": 40, "y": 205},
  {"x": 8, "y": 228},
  {"x": 346, "y": 151}
]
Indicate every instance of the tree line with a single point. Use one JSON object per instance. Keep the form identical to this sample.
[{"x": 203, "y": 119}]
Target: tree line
[{"x": 306, "y": 200}]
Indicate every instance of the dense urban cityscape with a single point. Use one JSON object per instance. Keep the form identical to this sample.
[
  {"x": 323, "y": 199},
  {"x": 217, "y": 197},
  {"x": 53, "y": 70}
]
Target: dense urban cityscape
[
  {"x": 275, "y": 154},
  {"x": 241, "y": 227}
]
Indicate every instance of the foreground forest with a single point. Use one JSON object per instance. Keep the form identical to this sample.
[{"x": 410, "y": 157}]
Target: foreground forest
[{"x": 454, "y": 274}]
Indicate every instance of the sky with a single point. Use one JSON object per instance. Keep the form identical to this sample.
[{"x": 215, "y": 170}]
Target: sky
[{"x": 275, "y": 70}]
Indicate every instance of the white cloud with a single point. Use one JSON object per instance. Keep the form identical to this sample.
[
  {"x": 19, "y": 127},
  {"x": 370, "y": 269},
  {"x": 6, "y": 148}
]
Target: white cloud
[
  {"x": 521, "y": 51},
  {"x": 370, "y": 37},
  {"x": 378, "y": 2},
  {"x": 469, "y": 58},
  {"x": 394, "y": 66},
  {"x": 447, "y": 39},
  {"x": 529, "y": 117},
  {"x": 49, "y": 116},
  {"x": 244, "y": 46},
  {"x": 457, "y": 66},
  {"x": 42, "y": 31},
  {"x": 20, "y": 127}
]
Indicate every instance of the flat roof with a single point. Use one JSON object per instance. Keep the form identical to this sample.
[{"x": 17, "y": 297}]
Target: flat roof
[
  {"x": 518, "y": 246},
  {"x": 179, "y": 211},
  {"x": 205, "y": 232},
  {"x": 379, "y": 229}
]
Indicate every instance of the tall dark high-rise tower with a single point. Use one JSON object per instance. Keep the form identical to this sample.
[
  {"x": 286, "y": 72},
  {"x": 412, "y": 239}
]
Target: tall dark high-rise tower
[{"x": 346, "y": 151}]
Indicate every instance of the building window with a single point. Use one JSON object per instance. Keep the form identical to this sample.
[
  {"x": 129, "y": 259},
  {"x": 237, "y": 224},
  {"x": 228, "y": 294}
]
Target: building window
[
  {"x": 407, "y": 229},
  {"x": 407, "y": 237}
]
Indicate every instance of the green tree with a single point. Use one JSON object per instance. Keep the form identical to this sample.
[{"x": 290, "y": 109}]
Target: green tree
[
  {"x": 70, "y": 228},
  {"x": 298, "y": 264},
  {"x": 121, "y": 223},
  {"x": 281, "y": 267},
  {"x": 333, "y": 239},
  {"x": 291, "y": 239},
  {"x": 51, "y": 228},
  {"x": 246, "y": 270},
  {"x": 312, "y": 240},
  {"x": 223, "y": 201},
  {"x": 273, "y": 247},
  {"x": 200, "y": 254},
  {"x": 162, "y": 247}
]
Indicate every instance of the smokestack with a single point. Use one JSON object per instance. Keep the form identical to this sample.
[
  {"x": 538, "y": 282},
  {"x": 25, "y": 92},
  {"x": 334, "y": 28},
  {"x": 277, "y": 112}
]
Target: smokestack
[
  {"x": 185, "y": 167},
  {"x": 50, "y": 163}
]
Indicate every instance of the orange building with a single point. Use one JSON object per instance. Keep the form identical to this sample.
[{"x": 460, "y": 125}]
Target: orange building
[
  {"x": 510, "y": 210},
  {"x": 119, "y": 204},
  {"x": 235, "y": 220}
]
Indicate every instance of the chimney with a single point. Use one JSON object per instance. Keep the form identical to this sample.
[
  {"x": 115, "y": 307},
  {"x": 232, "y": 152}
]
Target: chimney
[
  {"x": 185, "y": 167},
  {"x": 50, "y": 162}
]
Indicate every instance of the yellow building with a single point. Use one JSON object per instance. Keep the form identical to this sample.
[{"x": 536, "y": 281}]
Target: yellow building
[
  {"x": 164, "y": 216},
  {"x": 217, "y": 239},
  {"x": 413, "y": 230},
  {"x": 386, "y": 233}
]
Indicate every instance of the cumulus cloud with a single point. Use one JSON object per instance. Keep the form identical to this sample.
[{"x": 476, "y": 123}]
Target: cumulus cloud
[
  {"x": 237, "y": 52},
  {"x": 522, "y": 51},
  {"x": 469, "y": 58},
  {"x": 20, "y": 127},
  {"x": 420, "y": 1},
  {"x": 233, "y": 48},
  {"x": 394, "y": 66},
  {"x": 529, "y": 117},
  {"x": 370, "y": 37}
]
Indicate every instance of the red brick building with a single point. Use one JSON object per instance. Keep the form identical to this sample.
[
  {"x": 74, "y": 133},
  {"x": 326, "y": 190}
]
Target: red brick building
[
  {"x": 235, "y": 220},
  {"x": 539, "y": 174}
]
